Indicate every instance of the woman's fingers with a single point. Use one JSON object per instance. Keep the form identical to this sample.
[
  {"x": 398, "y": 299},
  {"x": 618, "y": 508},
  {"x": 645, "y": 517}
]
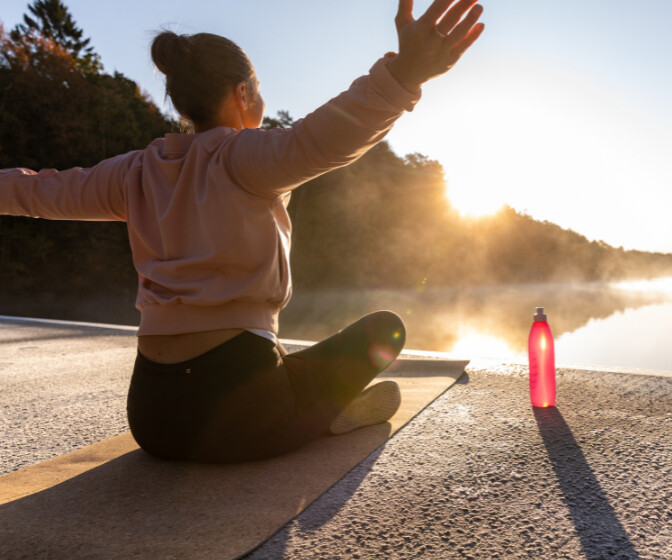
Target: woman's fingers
[
  {"x": 462, "y": 29},
  {"x": 404, "y": 13},
  {"x": 428, "y": 49},
  {"x": 434, "y": 12},
  {"x": 454, "y": 15},
  {"x": 459, "y": 49}
]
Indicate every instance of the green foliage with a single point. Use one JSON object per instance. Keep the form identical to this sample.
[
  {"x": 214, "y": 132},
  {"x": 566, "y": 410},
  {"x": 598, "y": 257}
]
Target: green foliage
[
  {"x": 368, "y": 224},
  {"x": 385, "y": 222},
  {"x": 283, "y": 120},
  {"x": 53, "y": 21},
  {"x": 53, "y": 114},
  {"x": 58, "y": 111}
]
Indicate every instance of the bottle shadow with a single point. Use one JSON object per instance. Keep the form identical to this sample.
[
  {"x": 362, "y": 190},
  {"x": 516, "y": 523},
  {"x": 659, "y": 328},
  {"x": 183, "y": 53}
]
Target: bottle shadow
[{"x": 601, "y": 533}]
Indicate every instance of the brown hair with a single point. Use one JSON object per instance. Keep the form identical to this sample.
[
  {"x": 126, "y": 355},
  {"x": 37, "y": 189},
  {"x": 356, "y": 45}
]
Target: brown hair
[{"x": 200, "y": 71}]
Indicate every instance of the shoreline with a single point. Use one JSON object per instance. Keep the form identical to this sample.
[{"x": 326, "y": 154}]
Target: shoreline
[{"x": 475, "y": 363}]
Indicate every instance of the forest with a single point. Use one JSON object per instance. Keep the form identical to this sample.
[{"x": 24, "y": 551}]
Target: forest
[{"x": 383, "y": 222}]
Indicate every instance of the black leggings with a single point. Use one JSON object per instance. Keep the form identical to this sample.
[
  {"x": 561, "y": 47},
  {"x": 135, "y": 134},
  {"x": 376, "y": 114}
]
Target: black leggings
[{"x": 245, "y": 400}]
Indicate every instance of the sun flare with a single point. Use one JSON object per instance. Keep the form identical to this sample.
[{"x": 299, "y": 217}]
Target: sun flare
[
  {"x": 473, "y": 203},
  {"x": 475, "y": 344}
]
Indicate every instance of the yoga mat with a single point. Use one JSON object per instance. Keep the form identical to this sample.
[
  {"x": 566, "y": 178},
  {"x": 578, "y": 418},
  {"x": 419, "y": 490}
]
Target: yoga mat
[{"x": 112, "y": 500}]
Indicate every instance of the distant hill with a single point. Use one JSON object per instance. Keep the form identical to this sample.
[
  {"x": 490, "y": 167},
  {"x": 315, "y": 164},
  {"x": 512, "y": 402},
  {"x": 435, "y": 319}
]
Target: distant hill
[{"x": 385, "y": 221}]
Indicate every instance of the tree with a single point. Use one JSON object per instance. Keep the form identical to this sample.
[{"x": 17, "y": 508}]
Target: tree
[
  {"x": 55, "y": 115},
  {"x": 53, "y": 21},
  {"x": 43, "y": 94},
  {"x": 282, "y": 120}
]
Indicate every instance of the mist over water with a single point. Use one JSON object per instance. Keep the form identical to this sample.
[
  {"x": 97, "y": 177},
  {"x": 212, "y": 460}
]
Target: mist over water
[
  {"x": 627, "y": 325},
  {"x": 619, "y": 324}
]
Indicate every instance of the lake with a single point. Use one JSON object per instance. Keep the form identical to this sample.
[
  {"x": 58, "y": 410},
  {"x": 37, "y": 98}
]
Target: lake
[{"x": 625, "y": 325}]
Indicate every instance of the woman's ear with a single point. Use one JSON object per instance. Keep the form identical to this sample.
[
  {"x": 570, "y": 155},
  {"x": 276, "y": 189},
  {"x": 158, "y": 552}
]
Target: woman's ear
[{"x": 241, "y": 95}]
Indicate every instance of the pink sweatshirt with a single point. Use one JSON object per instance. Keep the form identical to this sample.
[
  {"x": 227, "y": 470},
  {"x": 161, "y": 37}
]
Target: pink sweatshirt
[{"x": 206, "y": 213}]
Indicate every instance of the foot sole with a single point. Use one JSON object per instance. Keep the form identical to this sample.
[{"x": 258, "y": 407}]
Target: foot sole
[{"x": 375, "y": 405}]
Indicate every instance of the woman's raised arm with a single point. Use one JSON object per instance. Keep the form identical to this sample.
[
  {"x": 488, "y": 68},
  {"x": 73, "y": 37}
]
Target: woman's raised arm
[
  {"x": 432, "y": 44},
  {"x": 272, "y": 162}
]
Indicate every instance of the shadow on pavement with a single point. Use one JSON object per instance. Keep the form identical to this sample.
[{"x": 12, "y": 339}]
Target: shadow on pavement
[{"x": 601, "y": 533}]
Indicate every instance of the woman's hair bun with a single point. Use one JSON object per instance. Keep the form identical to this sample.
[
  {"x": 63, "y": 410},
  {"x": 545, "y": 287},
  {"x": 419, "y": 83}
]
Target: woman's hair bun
[
  {"x": 200, "y": 71},
  {"x": 168, "y": 50}
]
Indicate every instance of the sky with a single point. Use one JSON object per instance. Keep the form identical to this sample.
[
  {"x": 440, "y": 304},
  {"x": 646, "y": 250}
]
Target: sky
[{"x": 562, "y": 110}]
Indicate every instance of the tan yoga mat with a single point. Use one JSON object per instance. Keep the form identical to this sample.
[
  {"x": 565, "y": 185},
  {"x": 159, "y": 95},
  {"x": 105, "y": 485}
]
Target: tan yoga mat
[{"x": 112, "y": 500}]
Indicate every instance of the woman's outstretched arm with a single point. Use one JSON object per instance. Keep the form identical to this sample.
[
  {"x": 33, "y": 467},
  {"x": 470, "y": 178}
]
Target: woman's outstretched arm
[
  {"x": 269, "y": 163},
  {"x": 95, "y": 193}
]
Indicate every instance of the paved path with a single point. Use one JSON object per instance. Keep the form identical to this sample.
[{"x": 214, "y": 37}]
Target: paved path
[{"x": 479, "y": 474}]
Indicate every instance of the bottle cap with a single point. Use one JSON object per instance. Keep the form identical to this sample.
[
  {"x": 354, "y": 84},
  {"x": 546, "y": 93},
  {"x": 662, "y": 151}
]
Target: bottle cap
[{"x": 540, "y": 316}]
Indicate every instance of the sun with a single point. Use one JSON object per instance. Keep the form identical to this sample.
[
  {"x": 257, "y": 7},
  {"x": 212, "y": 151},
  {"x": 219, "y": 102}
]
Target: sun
[{"x": 473, "y": 202}]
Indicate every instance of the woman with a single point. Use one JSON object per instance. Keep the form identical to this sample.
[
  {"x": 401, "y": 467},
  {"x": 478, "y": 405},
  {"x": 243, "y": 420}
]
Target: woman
[{"x": 210, "y": 235}]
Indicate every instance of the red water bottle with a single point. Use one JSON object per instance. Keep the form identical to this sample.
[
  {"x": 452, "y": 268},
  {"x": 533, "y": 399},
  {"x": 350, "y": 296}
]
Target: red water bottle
[{"x": 542, "y": 362}]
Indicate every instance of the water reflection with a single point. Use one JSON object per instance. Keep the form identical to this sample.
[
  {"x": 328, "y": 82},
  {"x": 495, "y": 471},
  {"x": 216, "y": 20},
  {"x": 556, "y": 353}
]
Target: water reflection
[
  {"x": 595, "y": 323},
  {"x": 635, "y": 338},
  {"x": 622, "y": 324}
]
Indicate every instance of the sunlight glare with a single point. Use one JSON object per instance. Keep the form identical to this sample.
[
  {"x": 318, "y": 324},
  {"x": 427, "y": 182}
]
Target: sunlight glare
[
  {"x": 474, "y": 344},
  {"x": 473, "y": 203},
  {"x": 517, "y": 144},
  {"x": 655, "y": 285}
]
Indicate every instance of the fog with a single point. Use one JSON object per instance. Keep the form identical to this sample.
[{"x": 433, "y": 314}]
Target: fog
[{"x": 436, "y": 319}]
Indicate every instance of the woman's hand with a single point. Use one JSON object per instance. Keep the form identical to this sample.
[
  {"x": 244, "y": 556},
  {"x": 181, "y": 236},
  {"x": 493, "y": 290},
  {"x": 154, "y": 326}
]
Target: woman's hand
[{"x": 432, "y": 44}]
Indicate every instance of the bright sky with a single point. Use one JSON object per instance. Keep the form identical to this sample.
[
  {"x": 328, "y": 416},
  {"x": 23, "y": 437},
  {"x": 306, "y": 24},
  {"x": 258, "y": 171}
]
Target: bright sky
[{"x": 562, "y": 109}]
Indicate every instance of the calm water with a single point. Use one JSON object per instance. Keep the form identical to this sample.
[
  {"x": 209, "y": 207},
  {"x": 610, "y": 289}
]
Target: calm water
[
  {"x": 625, "y": 325},
  {"x": 620, "y": 325}
]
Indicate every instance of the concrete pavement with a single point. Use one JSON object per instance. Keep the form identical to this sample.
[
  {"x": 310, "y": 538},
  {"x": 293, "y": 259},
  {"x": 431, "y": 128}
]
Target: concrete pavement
[{"x": 479, "y": 474}]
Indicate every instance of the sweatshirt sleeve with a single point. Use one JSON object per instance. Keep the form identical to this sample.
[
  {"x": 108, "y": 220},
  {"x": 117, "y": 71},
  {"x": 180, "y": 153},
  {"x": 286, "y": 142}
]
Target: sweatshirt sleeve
[
  {"x": 270, "y": 162},
  {"x": 95, "y": 193}
]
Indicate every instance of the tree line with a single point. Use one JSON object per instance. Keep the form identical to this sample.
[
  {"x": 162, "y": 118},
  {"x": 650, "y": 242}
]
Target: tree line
[
  {"x": 59, "y": 109},
  {"x": 384, "y": 221}
]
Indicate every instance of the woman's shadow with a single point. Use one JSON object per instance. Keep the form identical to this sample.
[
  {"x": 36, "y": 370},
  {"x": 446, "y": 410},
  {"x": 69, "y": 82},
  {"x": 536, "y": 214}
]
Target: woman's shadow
[{"x": 135, "y": 506}]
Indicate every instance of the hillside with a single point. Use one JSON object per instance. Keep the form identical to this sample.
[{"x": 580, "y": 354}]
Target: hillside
[{"x": 386, "y": 222}]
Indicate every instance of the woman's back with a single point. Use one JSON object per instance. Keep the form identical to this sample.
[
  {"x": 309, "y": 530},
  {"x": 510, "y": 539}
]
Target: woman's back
[{"x": 210, "y": 238}]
